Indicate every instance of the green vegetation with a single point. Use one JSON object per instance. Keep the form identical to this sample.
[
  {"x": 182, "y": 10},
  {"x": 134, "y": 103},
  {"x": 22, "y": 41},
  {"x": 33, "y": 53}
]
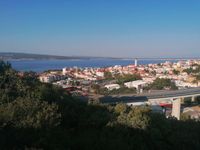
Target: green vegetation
[
  {"x": 108, "y": 75},
  {"x": 127, "y": 78},
  {"x": 26, "y": 113},
  {"x": 34, "y": 115},
  {"x": 96, "y": 88},
  {"x": 120, "y": 79},
  {"x": 160, "y": 84},
  {"x": 188, "y": 71},
  {"x": 197, "y": 100},
  {"x": 188, "y": 101},
  {"x": 176, "y": 72},
  {"x": 197, "y": 77},
  {"x": 193, "y": 71}
]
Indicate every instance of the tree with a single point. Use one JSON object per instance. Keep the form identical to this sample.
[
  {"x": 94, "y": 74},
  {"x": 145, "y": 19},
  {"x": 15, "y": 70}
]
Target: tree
[
  {"x": 136, "y": 117},
  {"x": 96, "y": 88},
  {"x": 25, "y": 113},
  {"x": 34, "y": 115},
  {"x": 108, "y": 75},
  {"x": 9, "y": 83},
  {"x": 198, "y": 99},
  {"x": 191, "y": 70},
  {"x": 4, "y": 67},
  {"x": 160, "y": 84},
  {"x": 127, "y": 78},
  {"x": 121, "y": 108},
  {"x": 176, "y": 72}
]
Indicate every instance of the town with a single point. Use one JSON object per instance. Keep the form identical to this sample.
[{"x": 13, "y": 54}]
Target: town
[
  {"x": 99, "y": 75},
  {"x": 93, "y": 84},
  {"x": 136, "y": 78}
]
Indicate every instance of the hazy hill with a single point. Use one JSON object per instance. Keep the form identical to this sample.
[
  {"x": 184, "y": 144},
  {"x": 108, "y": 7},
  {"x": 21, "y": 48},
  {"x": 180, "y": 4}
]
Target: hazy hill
[{"x": 10, "y": 55}]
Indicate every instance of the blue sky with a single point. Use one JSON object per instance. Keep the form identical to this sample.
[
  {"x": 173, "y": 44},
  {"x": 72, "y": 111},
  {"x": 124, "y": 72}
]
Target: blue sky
[{"x": 118, "y": 28}]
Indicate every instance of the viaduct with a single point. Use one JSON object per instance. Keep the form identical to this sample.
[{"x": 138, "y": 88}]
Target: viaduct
[{"x": 175, "y": 97}]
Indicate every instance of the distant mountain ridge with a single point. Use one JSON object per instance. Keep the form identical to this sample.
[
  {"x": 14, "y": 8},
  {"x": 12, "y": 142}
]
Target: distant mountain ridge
[
  {"x": 18, "y": 56},
  {"x": 30, "y": 56}
]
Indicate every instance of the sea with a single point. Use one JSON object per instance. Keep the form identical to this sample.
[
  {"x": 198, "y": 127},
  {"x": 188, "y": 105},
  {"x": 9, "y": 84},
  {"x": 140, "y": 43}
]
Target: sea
[{"x": 44, "y": 65}]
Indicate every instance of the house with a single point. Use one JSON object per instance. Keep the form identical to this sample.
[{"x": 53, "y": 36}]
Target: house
[
  {"x": 138, "y": 84},
  {"x": 100, "y": 73},
  {"x": 46, "y": 79}
]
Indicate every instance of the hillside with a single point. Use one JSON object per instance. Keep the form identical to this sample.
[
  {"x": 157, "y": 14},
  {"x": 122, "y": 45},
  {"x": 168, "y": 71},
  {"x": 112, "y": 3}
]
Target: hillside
[
  {"x": 34, "y": 115},
  {"x": 10, "y": 56}
]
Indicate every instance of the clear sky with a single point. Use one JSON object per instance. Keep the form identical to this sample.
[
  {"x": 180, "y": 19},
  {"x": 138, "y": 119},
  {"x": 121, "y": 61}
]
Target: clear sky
[{"x": 118, "y": 28}]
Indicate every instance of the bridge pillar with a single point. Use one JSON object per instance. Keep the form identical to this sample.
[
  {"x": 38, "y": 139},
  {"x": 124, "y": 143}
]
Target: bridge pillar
[
  {"x": 193, "y": 98},
  {"x": 176, "y": 108}
]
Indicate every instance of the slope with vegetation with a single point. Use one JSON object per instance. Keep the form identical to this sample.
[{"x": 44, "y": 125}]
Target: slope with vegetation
[
  {"x": 161, "y": 84},
  {"x": 34, "y": 115}
]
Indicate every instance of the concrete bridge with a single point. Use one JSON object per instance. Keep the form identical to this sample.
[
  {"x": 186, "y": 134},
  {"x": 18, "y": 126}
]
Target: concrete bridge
[{"x": 174, "y": 97}]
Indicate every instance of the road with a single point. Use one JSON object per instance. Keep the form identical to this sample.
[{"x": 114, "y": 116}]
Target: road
[
  {"x": 128, "y": 98},
  {"x": 171, "y": 94}
]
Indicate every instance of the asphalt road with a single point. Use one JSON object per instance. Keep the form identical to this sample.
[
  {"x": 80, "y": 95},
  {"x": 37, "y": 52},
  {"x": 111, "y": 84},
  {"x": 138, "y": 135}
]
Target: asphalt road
[
  {"x": 170, "y": 94},
  {"x": 128, "y": 98}
]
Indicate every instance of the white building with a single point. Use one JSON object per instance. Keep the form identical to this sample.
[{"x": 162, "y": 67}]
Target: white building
[
  {"x": 64, "y": 71},
  {"x": 100, "y": 74},
  {"x": 112, "y": 86},
  {"x": 136, "y": 84},
  {"x": 46, "y": 79},
  {"x": 149, "y": 79},
  {"x": 185, "y": 84},
  {"x": 50, "y": 78}
]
